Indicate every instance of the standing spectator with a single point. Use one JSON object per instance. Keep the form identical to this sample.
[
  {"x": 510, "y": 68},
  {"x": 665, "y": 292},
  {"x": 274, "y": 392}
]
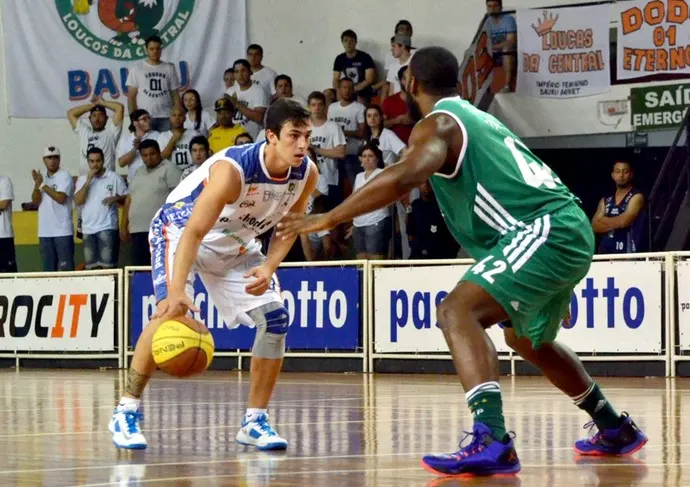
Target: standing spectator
[
  {"x": 355, "y": 65},
  {"x": 128, "y": 149},
  {"x": 147, "y": 193},
  {"x": 250, "y": 100},
  {"x": 97, "y": 130},
  {"x": 229, "y": 79},
  {"x": 502, "y": 31},
  {"x": 261, "y": 75},
  {"x": 372, "y": 231},
  {"x": 402, "y": 28},
  {"x": 225, "y": 132},
  {"x": 401, "y": 49},
  {"x": 349, "y": 115},
  {"x": 53, "y": 195},
  {"x": 389, "y": 143},
  {"x": 200, "y": 152},
  {"x": 98, "y": 195},
  {"x": 175, "y": 143},
  {"x": 8, "y": 260},
  {"x": 196, "y": 117},
  {"x": 283, "y": 89},
  {"x": 396, "y": 113},
  {"x": 328, "y": 143},
  {"x": 153, "y": 85},
  {"x": 243, "y": 139},
  {"x": 427, "y": 231},
  {"x": 618, "y": 215}
]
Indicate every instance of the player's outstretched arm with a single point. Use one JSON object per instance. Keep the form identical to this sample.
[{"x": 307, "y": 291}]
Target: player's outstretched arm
[{"x": 428, "y": 149}]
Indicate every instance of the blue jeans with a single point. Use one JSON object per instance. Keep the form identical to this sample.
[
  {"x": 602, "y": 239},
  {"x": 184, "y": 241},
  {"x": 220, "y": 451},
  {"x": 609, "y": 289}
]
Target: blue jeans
[
  {"x": 57, "y": 253},
  {"x": 102, "y": 249}
]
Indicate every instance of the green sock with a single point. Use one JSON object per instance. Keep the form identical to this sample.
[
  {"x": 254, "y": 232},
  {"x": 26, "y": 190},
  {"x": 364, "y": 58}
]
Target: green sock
[
  {"x": 487, "y": 407},
  {"x": 595, "y": 404}
]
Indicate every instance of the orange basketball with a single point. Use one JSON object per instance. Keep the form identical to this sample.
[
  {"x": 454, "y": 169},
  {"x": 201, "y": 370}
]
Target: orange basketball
[{"x": 182, "y": 347}]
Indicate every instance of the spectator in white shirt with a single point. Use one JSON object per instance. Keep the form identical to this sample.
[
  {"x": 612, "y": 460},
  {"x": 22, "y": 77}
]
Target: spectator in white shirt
[
  {"x": 8, "y": 260},
  {"x": 128, "y": 149},
  {"x": 53, "y": 193},
  {"x": 196, "y": 117},
  {"x": 153, "y": 85},
  {"x": 390, "y": 144},
  {"x": 401, "y": 49},
  {"x": 261, "y": 75},
  {"x": 98, "y": 195},
  {"x": 250, "y": 100},
  {"x": 97, "y": 130},
  {"x": 349, "y": 115},
  {"x": 201, "y": 150},
  {"x": 175, "y": 143}
]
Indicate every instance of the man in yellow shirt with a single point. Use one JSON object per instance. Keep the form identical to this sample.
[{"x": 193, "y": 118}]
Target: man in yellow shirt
[{"x": 224, "y": 132}]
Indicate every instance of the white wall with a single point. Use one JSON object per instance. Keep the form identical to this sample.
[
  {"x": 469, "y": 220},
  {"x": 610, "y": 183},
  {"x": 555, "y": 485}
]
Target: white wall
[{"x": 300, "y": 38}]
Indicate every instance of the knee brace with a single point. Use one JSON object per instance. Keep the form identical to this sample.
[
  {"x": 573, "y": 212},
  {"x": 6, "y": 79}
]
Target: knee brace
[{"x": 271, "y": 322}]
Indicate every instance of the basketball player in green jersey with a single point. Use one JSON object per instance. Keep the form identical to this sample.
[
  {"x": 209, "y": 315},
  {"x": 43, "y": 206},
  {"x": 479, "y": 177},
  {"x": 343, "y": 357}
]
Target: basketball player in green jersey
[{"x": 532, "y": 244}]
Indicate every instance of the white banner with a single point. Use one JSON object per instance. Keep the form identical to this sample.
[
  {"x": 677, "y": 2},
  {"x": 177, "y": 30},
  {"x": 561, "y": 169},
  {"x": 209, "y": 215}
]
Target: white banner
[
  {"x": 57, "y": 314},
  {"x": 683, "y": 303},
  {"x": 653, "y": 38},
  {"x": 59, "y": 53},
  {"x": 564, "y": 52},
  {"x": 615, "y": 309}
]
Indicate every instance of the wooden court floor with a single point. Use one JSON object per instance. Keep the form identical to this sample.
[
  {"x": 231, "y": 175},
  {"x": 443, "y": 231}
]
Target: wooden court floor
[{"x": 344, "y": 430}]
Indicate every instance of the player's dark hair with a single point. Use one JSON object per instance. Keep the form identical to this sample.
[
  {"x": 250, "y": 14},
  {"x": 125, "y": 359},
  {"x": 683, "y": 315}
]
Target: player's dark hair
[
  {"x": 200, "y": 140},
  {"x": 373, "y": 146},
  {"x": 243, "y": 62},
  {"x": 197, "y": 110},
  {"x": 95, "y": 150},
  {"x": 436, "y": 69},
  {"x": 155, "y": 39},
  {"x": 316, "y": 95},
  {"x": 148, "y": 143},
  {"x": 367, "y": 129},
  {"x": 283, "y": 111},
  {"x": 348, "y": 33},
  {"x": 402, "y": 22},
  {"x": 256, "y": 47},
  {"x": 282, "y": 77}
]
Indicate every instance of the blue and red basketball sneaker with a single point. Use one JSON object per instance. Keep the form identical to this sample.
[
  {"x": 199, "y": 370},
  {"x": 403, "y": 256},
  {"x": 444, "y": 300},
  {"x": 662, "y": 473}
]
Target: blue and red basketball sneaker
[
  {"x": 621, "y": 441},
  {"x": 483, "y": 456}
]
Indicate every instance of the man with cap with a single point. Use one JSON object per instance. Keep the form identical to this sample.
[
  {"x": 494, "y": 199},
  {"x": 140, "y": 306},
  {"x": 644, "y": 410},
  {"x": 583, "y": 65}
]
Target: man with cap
[
  {"x": 97, "y": 130},
  {"x": 401, "y": 46},
  {"x": 224, "y": 132},
  {"x": 53, "y": 194}
]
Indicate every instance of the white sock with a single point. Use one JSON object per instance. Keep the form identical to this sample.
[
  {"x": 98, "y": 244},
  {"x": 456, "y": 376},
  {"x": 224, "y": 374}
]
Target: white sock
[
  {"x": 253, "y": 413},
  {"x": 128, "y": 401}
]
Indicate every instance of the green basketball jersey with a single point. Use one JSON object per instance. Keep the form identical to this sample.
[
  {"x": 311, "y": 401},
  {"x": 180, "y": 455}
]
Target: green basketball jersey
[{"x": 498, "y": 185}]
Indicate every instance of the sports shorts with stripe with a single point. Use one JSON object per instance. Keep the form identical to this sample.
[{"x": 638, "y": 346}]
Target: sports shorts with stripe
[{"x": 531, "y": 271}]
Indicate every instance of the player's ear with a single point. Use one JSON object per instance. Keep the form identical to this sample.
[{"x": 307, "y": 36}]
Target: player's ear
[{"x": 271, "y": 136}]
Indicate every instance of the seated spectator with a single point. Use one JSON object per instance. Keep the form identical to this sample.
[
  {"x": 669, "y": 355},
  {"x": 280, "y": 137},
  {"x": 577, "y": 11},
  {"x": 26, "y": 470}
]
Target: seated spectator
[
  {"x": 396, "y": 113},
  {"x": 328, "y": 146},
  {"x": 8, "y": 259},
  {"x": 128, "y": 149},
  {"x": 246, "y": 138},
  {"x": 53, "y": 195},
  {"x": 224, "y": 133},
  {"x": 318, "y": 245},
  {"x": 200, "y": 152},
  {"x": 355, "y": 65},
  {"x": 196, "y": 117},
  {"x": 401, "y": 49},
  {"x": 250, "y": 100},
  {"x": 331, "y": 96},
  {"x": 174, "y": 143},
  {"x": 98, "y": 195},
  {"x": 349, "y": 115},
  {"x": 283, "y": 89},
  {"x": 261, "y": 75},
  {"x": 619, "y": 216},
  {"x": 427, "y": 231},
  {"x": 502, "y": 31},
  {"x": 147, "y": 193},
  {"x": 389, "y": 143},
  {"x": 371, "y": 231},
  {"x": 229, "y": 79}
]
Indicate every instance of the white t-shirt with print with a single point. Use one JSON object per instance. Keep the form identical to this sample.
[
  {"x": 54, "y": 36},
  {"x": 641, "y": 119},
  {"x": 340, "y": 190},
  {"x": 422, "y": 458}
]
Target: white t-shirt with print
[
  {"x": 6, "y": 193},
  {"x": 265, "y": 78},
  {"x": 253, "y": 97},
  {"x": 327, "y": 136},
  {"x": 126, "y": 144},
  {"x": 95, "y": 216},
  {"x": 376, "y": 215},
  {"x": 55, "y": 219},
  {"x": 391, "y": 146},
  {"x": 154, "y": 84},
  {"x": 207, "y": 122},
  {"x": 182, "y": 153},
  {"x": 347, "y": 117},
  {"x": 106, "y": 140}
]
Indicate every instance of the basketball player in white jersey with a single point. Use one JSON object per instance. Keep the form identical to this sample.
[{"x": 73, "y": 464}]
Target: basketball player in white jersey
[{"x": 208, "y": 227}]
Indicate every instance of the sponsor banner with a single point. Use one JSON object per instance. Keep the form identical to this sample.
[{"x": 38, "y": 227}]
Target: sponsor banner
[
  {"x": 322, "y": 302},
  {"x": 659, "y": 107},
  {"x": 91, "y": 45},
  {"x": 57, "y": 314},
  {"x": 615, "y": 309},
  {"x": 653, "y": 38},
  {"x": 564, "y": 52},
  {"x": 683, "y": 303}
]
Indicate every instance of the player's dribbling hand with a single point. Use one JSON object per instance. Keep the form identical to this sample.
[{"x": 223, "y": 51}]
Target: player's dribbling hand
[
  {"x": 176, "y": 304},
  {"x": 262, "y": 279},
  {"x": 294, "y": 224}
]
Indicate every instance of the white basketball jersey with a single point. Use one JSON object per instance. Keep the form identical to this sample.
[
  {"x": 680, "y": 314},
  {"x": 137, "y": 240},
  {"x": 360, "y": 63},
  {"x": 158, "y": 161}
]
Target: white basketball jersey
[{"x": 263, "y": 201}]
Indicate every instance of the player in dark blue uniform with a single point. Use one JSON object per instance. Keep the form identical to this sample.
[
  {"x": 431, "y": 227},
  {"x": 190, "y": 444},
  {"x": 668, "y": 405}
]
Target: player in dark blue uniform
[{"x": 618, "y": 215}]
